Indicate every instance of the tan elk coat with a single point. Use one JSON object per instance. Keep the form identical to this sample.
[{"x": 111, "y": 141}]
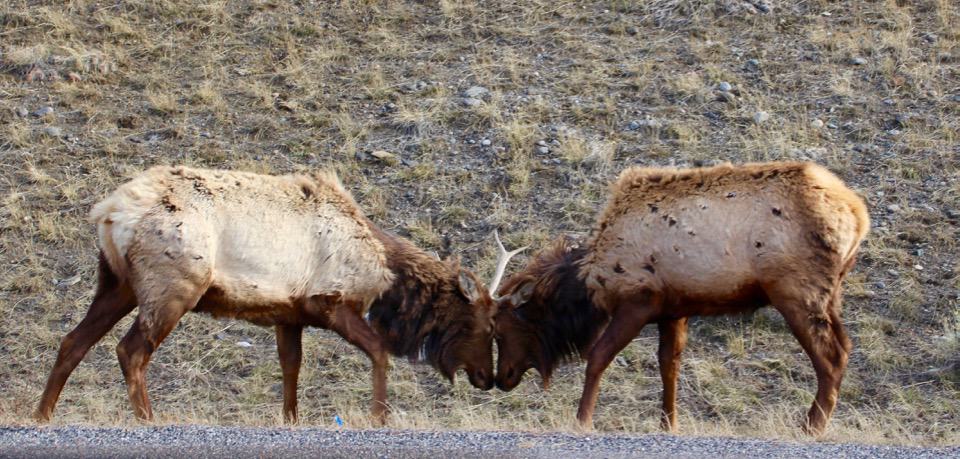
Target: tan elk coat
[
  {"x": 675, "y": 243},
  {"x": 709, "y": 233},
  {"x": 289, "y": 251},
  {"x": 304, "y": 237}
]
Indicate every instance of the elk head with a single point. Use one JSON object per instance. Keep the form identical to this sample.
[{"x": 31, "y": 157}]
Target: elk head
[
  {"x": 544, "y": 315},
  {"x": 471, "y": 341}
]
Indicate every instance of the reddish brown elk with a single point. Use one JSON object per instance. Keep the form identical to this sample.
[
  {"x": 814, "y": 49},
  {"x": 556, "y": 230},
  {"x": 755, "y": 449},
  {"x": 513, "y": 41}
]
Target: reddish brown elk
[
  {"x": 675, "y": 243},
  {"x": 287, "y": 251}
]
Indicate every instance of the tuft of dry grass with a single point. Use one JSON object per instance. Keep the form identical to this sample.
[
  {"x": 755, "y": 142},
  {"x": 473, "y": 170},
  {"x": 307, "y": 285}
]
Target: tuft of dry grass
[{"x": 867, "y": 88}]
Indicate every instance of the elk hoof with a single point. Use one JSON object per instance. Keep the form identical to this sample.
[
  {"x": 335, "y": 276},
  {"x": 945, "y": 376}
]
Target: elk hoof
[
  {"x": 41, "y": 417},
  {"x": 668, "y": 426},
  {"x": 812, "y": 429},
  {"x": 379, "y": 415},
  {"x": 584, "y": 425}
]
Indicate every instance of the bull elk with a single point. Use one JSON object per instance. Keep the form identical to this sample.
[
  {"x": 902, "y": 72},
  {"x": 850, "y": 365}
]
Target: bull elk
[
  {"x": 286, "y": 251},
  {"x": 675, "y": 243}
]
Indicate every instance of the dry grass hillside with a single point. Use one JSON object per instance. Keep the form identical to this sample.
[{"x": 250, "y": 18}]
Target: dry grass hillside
[{"x": 91, "y": 92}]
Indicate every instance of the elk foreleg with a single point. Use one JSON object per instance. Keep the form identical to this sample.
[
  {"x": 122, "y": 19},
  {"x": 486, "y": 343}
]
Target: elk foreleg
[
  {"x": 625, "y": 324},
  {"x": 348, "y": 324},
  {"x": 289, "y": 348}
]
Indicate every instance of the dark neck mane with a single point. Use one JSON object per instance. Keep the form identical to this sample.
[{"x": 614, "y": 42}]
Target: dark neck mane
[
  {"x": 560, "y": 313},
  {"x": 407, "y": 315}
]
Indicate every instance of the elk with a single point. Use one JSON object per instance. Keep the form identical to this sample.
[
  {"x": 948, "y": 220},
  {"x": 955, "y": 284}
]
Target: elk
[
  {"x": 675, "y": 243},
  {"x": 286, "y": 251}
]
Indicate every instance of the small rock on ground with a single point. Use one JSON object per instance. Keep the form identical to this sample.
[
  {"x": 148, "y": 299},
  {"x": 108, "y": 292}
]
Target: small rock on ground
[
  {"x": 43, "y": 111},
  {"x": 476, "y": 92},
  {"x": 385, "y": 156}
]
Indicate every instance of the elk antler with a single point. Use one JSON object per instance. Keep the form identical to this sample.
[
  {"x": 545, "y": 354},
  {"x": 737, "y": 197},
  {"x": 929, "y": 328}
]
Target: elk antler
[{"x": 502, "y": 259}]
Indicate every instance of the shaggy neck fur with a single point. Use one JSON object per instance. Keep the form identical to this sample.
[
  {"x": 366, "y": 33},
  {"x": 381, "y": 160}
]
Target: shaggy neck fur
[
  {"x": 559, "y": 311},
  {"x": 413, "y": 315}
]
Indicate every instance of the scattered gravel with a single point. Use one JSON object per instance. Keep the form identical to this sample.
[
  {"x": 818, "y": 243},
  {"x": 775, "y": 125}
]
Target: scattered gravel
[
  {"x": 238, "y": 442},
  {"x": 858, "y": 61},
  {"x": 471, "y": 102},
  {"x": 725, "y": 86},
  {"x": 53, "y": 131},
  {"x": 761, "y": 117}
]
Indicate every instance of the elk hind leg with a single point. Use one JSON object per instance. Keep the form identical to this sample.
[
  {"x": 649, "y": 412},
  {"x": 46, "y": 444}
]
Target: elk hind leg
[
  {"x": 673, "y": 338},
  {"x": 157, "y": 318},
  {"x": 816, "y": 325},
  {"x": 112, "y": 301}
]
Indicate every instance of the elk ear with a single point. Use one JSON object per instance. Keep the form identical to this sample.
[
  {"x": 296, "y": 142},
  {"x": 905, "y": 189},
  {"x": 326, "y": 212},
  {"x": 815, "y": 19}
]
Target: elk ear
[
  {"x": 522, "y": 294},
  {"x": 469, "y": 287}
]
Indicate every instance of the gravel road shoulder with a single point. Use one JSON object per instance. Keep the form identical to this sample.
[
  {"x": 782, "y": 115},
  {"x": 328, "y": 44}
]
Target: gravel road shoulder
[{"x": 241, "y": 442}]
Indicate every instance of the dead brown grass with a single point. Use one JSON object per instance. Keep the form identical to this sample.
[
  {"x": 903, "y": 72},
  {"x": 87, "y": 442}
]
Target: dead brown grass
[{"x": 273, "y": 86}]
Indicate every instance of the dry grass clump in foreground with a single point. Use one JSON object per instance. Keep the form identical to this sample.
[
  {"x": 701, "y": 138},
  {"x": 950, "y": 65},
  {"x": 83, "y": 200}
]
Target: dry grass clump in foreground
[{"x": 91, "y": 94}]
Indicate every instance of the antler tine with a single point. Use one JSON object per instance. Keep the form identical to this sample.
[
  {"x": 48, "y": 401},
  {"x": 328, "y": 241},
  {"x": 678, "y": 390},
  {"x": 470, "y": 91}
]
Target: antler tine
[{"x": 502, "y": 259}]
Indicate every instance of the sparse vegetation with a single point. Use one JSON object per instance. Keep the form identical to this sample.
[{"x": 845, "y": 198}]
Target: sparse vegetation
[{"x": 868, "y": 89}]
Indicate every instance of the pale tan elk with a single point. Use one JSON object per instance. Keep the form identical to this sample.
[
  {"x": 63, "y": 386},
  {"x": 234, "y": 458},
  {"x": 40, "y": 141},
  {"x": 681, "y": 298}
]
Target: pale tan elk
[
  {"x": 675, "y": 243},
  {"x": 286, "y": 251}
]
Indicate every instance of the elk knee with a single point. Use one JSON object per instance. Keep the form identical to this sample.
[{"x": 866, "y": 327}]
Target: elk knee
[
  {"x": 379, "y": 357},
  {"x": 820, "y": 328},
  {"x": 67, "y": 346}
]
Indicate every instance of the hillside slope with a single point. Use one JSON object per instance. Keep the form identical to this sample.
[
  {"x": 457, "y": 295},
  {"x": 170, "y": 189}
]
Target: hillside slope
[{"x": 492, "y": 114}]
